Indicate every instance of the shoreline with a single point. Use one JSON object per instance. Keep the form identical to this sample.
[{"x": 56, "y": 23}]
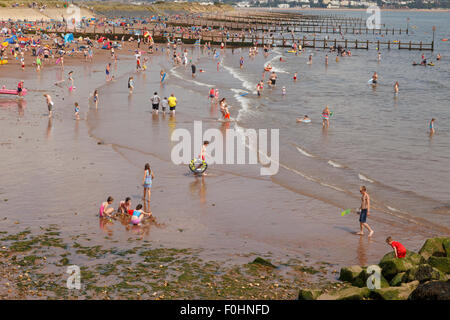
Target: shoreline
[{"x": 196, "y": 207}]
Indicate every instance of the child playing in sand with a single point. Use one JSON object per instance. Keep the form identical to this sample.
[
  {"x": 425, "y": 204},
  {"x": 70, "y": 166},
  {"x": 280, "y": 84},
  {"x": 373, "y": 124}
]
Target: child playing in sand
[
  {"x": 399, "y": 249},
  {"x": 139, "y": 214},
  {"x": 125, "y": 206},
  {"x": 105, "y": 210}
]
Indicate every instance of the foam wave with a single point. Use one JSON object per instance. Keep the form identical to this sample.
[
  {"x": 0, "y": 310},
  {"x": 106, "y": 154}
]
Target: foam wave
[
  {"x": 304, "y": 152},
  {"x": 334, "y": 164},
  {"x": 178, "y": 75},
  {"x": 246, "y": 84},
  {"x": 364, "y": 178},
  {"x": 245, "y": 105},
  {"x": 393, "y": 209}
]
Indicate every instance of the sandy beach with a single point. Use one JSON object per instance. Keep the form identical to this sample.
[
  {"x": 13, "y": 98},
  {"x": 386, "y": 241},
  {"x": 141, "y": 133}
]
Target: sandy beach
[{"x": 56, "y": 172}]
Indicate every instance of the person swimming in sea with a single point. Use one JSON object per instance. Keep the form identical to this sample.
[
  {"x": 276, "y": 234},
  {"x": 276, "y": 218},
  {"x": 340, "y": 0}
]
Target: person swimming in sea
[
  {"x": 305, "y": 119},
  {"x": 375, "y": 78}
]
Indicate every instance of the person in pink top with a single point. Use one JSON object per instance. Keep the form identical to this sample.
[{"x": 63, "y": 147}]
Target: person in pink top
[{"x": 105, "y": 209}]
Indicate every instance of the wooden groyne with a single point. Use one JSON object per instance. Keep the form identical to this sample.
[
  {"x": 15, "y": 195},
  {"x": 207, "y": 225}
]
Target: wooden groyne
[{"x": 235, "y": 30}]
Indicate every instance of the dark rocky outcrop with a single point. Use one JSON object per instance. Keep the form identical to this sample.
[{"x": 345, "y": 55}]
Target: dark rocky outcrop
[
  {"x": 434, "y": 290},
  {"x": 420, "y": 275}
]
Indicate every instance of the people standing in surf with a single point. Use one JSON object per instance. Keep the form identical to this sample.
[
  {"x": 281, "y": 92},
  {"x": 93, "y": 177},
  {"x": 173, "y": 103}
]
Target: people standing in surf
[
  {"x": 147, "y": 182},
  {"x": 108, "y": 72},
  {"x": 241, "y": 63},
  {"x": 130, "y": 84},
  {"x": 70, "y": 80},
  {"x": 224, "y": 109},
  {"x": 272, "y": 79},
  {"x": 295, "y": 77},
  {"x": 396, "y": 86},
  {"x": 310, "y": 59},
  {"x": 364, "y": 212},
  {"x": 172, "y": 104},
  {"x": 95, "y": 96},
  {"x": 77, "y": 111},
  {"x": 155, "y": 100},
  {"x": 20, "y": 88},
  {"x": 212, "y": 95},
  {"x": 162, "y": 75},
  {"x": 49, "y": 102},
  {"x": 432, "y": 131},
  {"x": 164, "y": 105},
  {"x": 326, "y": 60},
  {"x": 326, "y": 113},
  {"x": 375, "y": 78},
  {"x": 259, "y": 88},
  {"x": 193, "y": 69}
]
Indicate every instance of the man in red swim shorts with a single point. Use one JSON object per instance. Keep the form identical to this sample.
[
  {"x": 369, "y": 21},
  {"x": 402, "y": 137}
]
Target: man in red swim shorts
[{"x": 399, "y": 249}]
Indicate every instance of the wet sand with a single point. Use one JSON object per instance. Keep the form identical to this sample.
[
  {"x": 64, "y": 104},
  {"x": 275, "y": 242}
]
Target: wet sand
[{"x": 56, "y": 172}]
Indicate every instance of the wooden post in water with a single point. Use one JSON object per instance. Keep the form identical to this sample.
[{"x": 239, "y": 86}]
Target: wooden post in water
[
  {"x": 367, "y": 45},
  {"x": 432, "y": 44},
  {"x": 356, "y": 44},
  {"x": 410, "y": 45}
]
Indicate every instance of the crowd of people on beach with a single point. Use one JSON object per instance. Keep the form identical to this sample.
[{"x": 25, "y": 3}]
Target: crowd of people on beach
[{"x": 47, "y": 49}]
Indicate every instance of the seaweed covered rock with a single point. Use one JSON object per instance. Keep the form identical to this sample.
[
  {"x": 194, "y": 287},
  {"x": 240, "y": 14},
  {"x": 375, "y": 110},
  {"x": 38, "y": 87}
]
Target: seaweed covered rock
[
  {"x": 349, "y": 274},
  {"x": 263, "y": 262},
  {"x": 434, "y": 290},
  {"x": 357, "y": 276},
  {"x": 433, "y": 247},
  {"x": 309, "y": 294},
  {"x": 440, "y": 263},
  {"x": 411, "y": 256},
  {"x": 423, "y": 273},
  {"x": 394, "y": 293},
  {"x": 446, "y": 245},
  {"x": 397, "y": 280},
  {"x": 352, "y": 293},
  {"x": 391, "y": 267},
  {"x": 361, "y": 280}
]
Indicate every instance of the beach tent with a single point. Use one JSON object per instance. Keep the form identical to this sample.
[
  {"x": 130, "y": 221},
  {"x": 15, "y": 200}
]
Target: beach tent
[{"x": 68, "y": 38}]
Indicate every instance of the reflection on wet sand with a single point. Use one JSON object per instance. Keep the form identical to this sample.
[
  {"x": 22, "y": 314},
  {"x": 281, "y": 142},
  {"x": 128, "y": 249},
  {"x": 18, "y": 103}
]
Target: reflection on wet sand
[
  {"x": 49, "y": 128},
  {"x": 362, "y": 250},
  {"x": 198, "y": 187}
]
